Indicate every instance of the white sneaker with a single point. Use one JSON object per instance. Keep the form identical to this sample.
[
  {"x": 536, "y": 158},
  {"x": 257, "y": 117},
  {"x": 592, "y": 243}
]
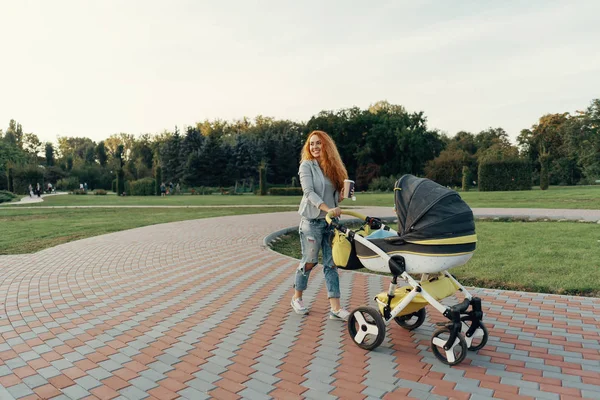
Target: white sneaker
[
  {"x": 298, "y": 306},
  {"x": 339, "y": 314}
]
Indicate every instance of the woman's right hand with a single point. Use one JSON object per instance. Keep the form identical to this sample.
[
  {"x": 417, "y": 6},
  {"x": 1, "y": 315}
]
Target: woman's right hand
[{"x": 335, "y": 212}]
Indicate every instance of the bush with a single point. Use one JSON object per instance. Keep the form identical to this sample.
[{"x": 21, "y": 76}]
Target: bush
[
  {"x": 383, "y": 184},
  {"x": 24, "y": 176},
  {"x": 203, "y": 190},
  {"x": 141, "y": 187},
  {"x": 100, "y": 192},
  {"x": 67, "y": 184},
  {"x": 447, "y": 168},
  {"x": 6, "y": 196},
  {"x": 501, "y": 175},
  {"x": 79, "y": 191},
  {"x": 286, "y": 191}
]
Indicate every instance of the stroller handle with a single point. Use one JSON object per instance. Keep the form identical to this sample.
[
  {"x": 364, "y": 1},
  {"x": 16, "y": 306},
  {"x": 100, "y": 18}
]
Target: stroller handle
[{"x": 345, "y": 212}]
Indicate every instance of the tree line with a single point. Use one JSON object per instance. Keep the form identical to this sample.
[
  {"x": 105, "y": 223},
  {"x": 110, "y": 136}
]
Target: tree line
[{"x": 382, "y": 141}]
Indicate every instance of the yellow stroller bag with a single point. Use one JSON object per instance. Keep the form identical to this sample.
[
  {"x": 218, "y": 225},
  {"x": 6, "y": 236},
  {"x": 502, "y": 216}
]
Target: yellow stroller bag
[{"x": 343, "y": 249}]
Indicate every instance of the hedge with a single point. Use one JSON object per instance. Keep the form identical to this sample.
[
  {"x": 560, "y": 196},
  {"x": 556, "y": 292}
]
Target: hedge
[
  {"x": 141, "y": 187},
  {"x": 383, "y": 184},
  {"x": 6, "y": 196},
  {"x": 504, "y": 175},
  {"x": 286, "y": 191},
  {"x": 120, "y": 182}
]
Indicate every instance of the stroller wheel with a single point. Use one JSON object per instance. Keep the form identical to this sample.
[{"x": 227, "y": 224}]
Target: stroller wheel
[
  {"x": 479, "y": 338},
  {"x": 412, "y": 321},
  {"x": 455, "y": 354},
  {"x": 366, "y": 327}
]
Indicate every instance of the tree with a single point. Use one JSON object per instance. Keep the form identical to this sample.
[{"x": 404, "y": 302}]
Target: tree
[
  {"x": 384, "y": 134},
  {"x": 118, "y": 156},
  {"x": 546, "y": 140},
  {"x": 15, "y": 131},
  {"x": 10, "y": 153},
  {"x": 141, "y": 152},
  {"x": 585, "y": 141},
  {"x": 447, "y": 168},
  {"x": 69, "y": 161},
  {"x": 498, "y": 151},
  {"x": 32, "y": 145},
  {"x": 488, "y": 137},
  {"x": 463, "y": 141},
  {"x": 365, "y": 174},
  {"x": 53, "y": 174},
  {"x": 10, "y": 138},
  {"x": 212, "y": 161},
  {"x": 247, "y": 154},
  {"x": 170, "y": 153},
  {"x": 49, "y": 149},
  {"x": 76, "y": 146},
  {"x": 101, "y": 154}
]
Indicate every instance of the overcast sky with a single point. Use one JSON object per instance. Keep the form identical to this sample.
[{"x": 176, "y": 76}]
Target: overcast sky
[{"x": 95, "y": 68}]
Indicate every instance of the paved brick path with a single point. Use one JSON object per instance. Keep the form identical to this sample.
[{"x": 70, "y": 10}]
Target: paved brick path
[{"x": 200, "y": 309}]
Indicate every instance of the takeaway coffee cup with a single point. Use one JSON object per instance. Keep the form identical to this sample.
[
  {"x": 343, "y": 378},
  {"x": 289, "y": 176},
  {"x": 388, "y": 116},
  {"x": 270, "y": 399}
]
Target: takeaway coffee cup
[{"x": 349, "y": 189}]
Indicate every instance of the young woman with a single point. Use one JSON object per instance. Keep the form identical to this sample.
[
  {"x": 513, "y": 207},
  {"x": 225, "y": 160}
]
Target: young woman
[{"x": 322, "y": 175}]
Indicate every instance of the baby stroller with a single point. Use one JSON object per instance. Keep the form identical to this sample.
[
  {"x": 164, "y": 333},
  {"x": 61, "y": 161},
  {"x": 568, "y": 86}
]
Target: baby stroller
[{"x": 436, "y": 232}]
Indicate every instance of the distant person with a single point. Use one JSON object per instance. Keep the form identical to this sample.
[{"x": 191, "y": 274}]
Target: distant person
[
  {"x": 163, "y": 190},
  {"x": 30, "y": 188},
  {"x": 85, "y": 187},
  {"x": 81, "y": 186},
  {"x": 38, "y": 190}
]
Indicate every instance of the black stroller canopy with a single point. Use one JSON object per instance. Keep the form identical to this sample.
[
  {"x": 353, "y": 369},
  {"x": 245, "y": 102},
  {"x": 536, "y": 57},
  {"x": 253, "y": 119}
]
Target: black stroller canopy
[{"x": 428, "y": 210}]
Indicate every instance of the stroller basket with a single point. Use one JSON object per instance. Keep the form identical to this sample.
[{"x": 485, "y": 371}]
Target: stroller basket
[{"x": 439, "y": 287}]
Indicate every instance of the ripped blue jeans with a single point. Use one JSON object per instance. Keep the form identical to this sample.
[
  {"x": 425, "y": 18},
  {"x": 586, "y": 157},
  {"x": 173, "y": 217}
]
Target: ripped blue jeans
[{"x": 314, "y": 236}]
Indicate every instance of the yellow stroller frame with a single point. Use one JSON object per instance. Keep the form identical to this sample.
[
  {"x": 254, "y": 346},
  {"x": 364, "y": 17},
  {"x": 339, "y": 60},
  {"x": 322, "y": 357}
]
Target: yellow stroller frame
[{"x": 406, "y": 305}]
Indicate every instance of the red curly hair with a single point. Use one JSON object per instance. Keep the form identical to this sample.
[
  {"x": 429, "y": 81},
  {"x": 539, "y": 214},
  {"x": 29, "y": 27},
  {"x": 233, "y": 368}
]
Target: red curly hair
[{"x": 330, "y": 161}]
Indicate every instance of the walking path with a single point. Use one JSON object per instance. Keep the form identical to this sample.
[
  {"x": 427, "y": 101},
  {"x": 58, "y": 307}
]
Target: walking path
[
  {"x": 200, "y": 309},
  {"x": 32, "y": 199}
]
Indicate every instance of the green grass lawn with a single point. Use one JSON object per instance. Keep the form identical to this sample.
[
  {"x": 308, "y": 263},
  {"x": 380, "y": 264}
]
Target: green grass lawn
[
  {"x": 547, "y": 257},
  {"x": 31, "y": 230},
  {"x": 572, "y": 197}
]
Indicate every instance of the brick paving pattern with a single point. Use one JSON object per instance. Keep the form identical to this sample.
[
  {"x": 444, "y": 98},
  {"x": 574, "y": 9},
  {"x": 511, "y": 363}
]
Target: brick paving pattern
[{"x": 200, "y": 309}]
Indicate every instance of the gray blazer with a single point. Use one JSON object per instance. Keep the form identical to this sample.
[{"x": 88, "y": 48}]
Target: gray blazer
[{"x": 313, "y": 186}]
